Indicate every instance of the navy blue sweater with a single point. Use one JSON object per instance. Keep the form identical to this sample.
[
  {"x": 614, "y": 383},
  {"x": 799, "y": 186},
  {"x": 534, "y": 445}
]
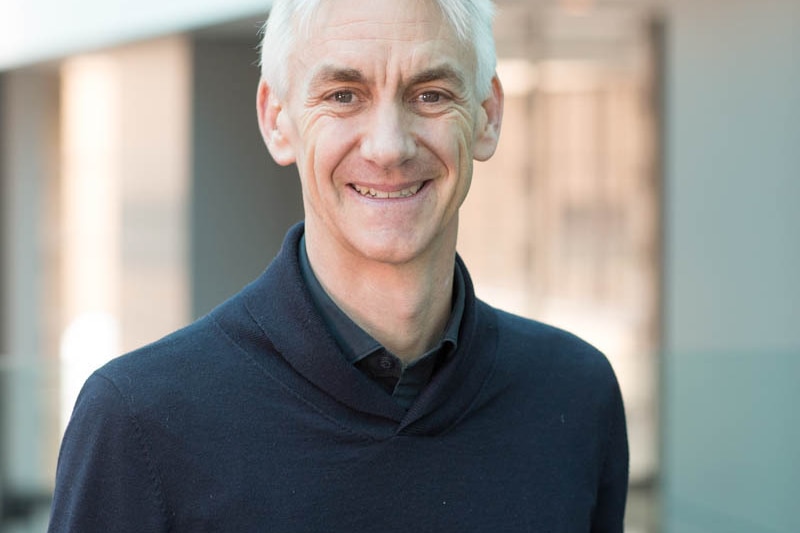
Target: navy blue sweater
[{"x": 251, "y": 420}]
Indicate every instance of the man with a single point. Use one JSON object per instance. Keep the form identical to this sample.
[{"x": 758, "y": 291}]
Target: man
[{"x": 358, "y": 385}]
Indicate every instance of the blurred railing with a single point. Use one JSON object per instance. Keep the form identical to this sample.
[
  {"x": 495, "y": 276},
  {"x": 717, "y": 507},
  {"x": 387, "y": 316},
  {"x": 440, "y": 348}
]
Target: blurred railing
[
  {"x": 24, "y": 511},
  {"x": 28, "y": 418}
]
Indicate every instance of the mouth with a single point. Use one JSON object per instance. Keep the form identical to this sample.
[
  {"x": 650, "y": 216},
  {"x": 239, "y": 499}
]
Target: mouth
[{"x": 369, "y": 192}]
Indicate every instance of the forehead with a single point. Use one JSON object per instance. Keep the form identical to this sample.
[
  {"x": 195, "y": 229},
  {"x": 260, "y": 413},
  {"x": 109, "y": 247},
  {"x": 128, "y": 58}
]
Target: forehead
[
  {"x": 381, "y": 34},
  {"x": 398, "y": 19}
]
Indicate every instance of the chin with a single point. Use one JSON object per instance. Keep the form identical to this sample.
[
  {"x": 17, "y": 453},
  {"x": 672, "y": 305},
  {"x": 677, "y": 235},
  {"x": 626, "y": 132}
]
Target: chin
[{"x": 390, "y": 249}]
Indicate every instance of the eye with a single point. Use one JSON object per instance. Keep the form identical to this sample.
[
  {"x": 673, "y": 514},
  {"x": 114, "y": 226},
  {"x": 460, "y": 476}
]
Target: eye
[
  {"x": 343, "y": 97},
  {"x": 430, "y": 97}
]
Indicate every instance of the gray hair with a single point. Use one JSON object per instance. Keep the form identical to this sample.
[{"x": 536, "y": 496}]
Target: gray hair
[{"x": 471, "y": 21}]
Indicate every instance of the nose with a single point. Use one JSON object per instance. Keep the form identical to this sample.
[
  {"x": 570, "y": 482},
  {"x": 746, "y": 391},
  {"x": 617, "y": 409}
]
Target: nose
[{"x": 388, "y": 140}]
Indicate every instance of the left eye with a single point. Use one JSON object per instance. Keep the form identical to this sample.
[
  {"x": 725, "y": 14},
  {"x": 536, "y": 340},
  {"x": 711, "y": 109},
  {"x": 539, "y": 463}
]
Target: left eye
[{"x": 430, "y": 97}]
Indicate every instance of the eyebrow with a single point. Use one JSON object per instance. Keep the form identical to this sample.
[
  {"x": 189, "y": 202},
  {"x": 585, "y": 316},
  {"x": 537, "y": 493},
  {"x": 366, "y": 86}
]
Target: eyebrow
[
  {"x": 333, "y": 74},
  {"x": 443, "y": 73}
]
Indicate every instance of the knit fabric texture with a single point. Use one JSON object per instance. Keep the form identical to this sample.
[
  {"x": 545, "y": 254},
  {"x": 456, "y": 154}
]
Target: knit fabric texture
[{"x": 251, "y": 420}]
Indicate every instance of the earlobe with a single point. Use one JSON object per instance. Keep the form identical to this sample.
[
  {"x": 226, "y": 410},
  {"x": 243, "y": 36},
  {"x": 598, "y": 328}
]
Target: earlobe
[
  {"x": 270, "y": 115},
  {"x": 489, "y": 132}
]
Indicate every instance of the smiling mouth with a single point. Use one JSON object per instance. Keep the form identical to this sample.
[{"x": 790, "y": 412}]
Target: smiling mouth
[{"x": 369, "y": 192}]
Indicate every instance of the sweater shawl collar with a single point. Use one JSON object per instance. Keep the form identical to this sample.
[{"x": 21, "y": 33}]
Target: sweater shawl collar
[{"x": 277, "y": 324}]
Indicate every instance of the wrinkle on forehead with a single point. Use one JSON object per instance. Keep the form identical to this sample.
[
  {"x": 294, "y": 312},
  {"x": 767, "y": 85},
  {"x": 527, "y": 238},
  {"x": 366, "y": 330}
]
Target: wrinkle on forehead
[
  {"x": 407, "y": 20},
  {"x": 384, "y": 31}
]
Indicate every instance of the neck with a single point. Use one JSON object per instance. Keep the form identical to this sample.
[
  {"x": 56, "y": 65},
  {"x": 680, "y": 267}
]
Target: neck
[{"x": 404, "y": 307}]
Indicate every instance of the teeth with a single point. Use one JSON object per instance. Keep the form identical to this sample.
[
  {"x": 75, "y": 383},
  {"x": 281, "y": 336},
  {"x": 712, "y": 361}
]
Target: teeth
[{"x": 372, "y": 193}]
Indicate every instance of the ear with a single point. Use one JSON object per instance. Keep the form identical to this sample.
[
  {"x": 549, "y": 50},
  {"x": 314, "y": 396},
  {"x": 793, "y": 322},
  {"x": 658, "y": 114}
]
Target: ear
[
  {"x": 272, "y": 122},
  {"x": 488, "y": 133}
]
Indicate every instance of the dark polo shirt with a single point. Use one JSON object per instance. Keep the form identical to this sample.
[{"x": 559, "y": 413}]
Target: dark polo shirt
[{"x": 403, "y": 381}]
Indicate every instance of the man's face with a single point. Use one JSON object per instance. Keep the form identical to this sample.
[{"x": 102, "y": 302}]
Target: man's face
[{"x": 383, "y": 122}]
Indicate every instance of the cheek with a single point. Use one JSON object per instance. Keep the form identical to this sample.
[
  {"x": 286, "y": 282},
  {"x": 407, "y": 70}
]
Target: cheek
[
  {"x": 326, "y": 144},
  {"x": 451, "y": 141},
  {"x": 331, "y": 141}
]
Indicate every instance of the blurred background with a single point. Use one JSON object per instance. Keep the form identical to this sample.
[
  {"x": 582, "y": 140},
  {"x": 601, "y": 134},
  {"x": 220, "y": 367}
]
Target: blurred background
[{"x": 644, "y": 195}]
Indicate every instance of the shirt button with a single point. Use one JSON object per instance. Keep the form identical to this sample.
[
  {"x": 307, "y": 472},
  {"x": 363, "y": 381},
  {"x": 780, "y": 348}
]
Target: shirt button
[{"x": 386, "y": 362}]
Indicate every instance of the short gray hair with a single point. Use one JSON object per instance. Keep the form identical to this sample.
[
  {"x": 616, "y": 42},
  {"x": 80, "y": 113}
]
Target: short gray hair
[{"x": 470, "y": 19}]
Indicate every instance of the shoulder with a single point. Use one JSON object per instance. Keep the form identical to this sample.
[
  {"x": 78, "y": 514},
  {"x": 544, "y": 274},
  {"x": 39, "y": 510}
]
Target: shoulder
[
  {"x": 174, "y": 353},
  {"x": 173, "y": 370},
  {"x": 539, "y": 340},
  {"x": 538, "y": 351}
]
